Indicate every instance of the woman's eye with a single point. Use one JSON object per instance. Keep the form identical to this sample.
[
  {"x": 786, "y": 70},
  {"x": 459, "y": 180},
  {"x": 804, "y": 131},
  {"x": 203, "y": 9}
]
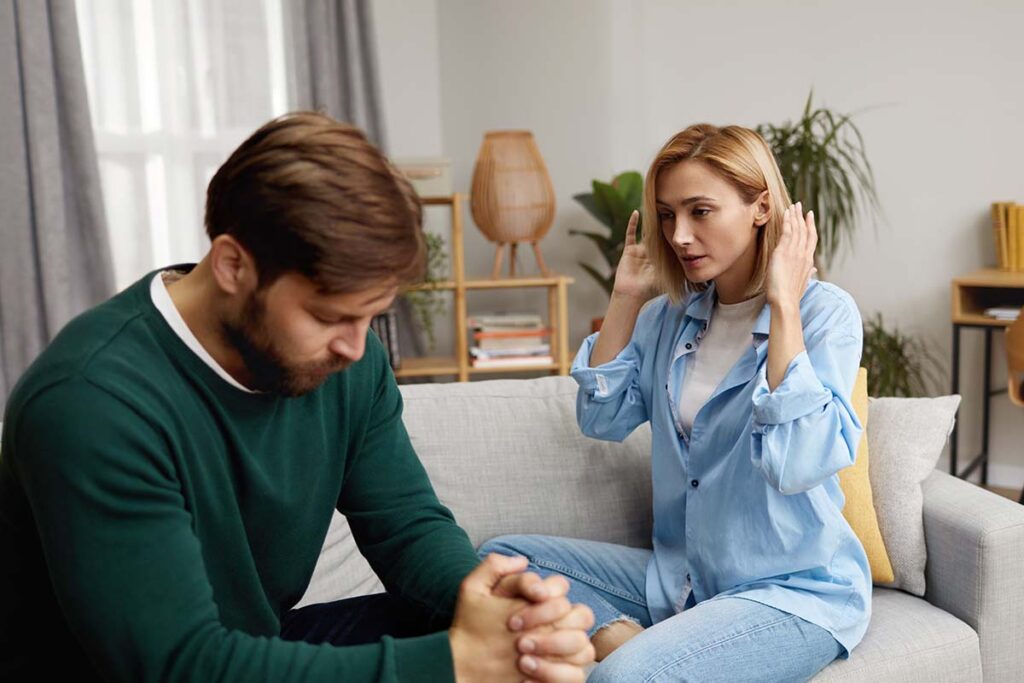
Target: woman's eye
[
  {"x": 701, "y": 212},
  {"x": 664, "y": 216}
]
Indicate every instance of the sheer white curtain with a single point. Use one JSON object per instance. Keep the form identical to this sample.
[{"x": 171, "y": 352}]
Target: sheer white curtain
[{"x": 174, "y": 87}]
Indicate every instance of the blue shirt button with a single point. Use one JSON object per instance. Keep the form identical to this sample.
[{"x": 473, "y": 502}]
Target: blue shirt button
[
  {"x": 694, "y": 483},
  {"x": 689, "y": 346}
]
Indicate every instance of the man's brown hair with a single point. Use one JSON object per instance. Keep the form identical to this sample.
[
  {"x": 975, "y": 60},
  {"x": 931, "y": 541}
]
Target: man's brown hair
[{"x": 311, "y": 195}]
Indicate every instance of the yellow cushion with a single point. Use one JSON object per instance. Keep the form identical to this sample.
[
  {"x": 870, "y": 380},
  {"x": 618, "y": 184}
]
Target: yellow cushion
[{"x": 860, "y": 507}]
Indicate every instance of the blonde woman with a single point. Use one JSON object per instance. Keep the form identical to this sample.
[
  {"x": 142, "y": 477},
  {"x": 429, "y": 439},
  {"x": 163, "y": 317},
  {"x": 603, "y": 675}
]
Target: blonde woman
[{"x": 743, "y": 364}]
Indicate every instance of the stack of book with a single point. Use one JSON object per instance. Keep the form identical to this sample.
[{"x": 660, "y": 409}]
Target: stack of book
[
  {"x": 1003, "y": 312},
  {"x": 509, "y": 340},
  {"x": 385, "y": 326},
  {"x": 1008, "y": 226}
]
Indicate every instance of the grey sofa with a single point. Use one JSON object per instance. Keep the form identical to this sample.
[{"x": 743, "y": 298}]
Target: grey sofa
[{"x": 507, "y": 457}]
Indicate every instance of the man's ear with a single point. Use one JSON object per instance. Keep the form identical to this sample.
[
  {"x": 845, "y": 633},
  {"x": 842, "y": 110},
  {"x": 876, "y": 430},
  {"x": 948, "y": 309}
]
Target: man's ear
[
  {"x": 762, "y": 210},
  {"x": 232, "y": 265}
]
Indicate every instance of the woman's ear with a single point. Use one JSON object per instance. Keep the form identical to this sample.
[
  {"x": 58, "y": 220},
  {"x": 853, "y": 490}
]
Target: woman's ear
[{"x": 762, "y": 210}]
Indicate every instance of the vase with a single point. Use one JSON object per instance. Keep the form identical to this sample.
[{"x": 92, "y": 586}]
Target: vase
[{"x": 512, "y": 199}]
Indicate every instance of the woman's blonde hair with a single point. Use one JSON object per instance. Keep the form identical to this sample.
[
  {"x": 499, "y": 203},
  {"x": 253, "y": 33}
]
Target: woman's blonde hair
[{"x": 742, "y": 158}]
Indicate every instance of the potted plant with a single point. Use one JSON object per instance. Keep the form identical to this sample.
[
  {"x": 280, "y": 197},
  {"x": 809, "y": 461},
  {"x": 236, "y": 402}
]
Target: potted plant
[
  {"x": 823, "y": 161},
  {"x": 427, "y": 304},
  {"x": 611, "y": 204},
  {"x": 898, "y": 364}
]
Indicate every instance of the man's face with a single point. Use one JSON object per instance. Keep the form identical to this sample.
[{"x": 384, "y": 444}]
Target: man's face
[{"x": 292, "y": 336}]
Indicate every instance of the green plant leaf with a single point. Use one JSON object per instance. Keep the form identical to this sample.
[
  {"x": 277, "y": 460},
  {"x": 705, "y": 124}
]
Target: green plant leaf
[
  {"x": 594, "y": 207},
  {"x": 604, "y": 244},
  {"x": 630, "y": 186},
  {"x": 608, "y": 196}
]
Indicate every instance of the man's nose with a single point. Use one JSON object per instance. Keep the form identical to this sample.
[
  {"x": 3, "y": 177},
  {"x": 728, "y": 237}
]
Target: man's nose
[{"x": 351, "y": 344}]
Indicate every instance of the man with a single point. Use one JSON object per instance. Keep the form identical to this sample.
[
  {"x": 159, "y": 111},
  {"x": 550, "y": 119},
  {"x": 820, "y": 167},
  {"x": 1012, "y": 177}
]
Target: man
[{"x": 171, "y": 462}]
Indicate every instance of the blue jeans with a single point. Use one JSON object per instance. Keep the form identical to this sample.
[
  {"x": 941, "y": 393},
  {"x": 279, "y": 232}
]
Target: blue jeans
[{"x": 727, "y": 639}]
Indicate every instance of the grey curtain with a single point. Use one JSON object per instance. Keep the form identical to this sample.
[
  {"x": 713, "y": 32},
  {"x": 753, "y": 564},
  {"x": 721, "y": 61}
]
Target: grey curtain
[
  {"x": 334, "y": 62},
  {"x": 54, "y": 255}
]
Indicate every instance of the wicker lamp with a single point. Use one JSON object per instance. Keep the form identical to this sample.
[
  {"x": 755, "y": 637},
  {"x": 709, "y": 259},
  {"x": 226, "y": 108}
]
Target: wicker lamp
[{"x": 512, "y": 198}]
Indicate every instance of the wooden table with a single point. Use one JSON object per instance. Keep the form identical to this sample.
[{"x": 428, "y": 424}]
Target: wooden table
[{"x": 972, "y": 294}]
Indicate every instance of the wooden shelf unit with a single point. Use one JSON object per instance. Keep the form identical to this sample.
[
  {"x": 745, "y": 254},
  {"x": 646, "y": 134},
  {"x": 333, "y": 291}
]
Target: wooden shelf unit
[
  {"x": 459, "y": 366},
  {"x": 974, "y": 292}
]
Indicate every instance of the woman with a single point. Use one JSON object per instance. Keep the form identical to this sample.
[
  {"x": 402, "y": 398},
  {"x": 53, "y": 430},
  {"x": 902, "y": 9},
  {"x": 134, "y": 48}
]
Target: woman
[{"x": 744, "y": 366}]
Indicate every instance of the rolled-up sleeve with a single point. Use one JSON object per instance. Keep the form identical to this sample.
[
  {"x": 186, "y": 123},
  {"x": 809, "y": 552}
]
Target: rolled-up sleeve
[
  {"x": 610, "y": 403},
  {"x": 806, "y": 430}
]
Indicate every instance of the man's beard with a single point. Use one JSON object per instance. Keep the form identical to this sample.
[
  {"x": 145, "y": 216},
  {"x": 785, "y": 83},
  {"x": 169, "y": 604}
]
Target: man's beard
[{"x": 267, "y": 367}]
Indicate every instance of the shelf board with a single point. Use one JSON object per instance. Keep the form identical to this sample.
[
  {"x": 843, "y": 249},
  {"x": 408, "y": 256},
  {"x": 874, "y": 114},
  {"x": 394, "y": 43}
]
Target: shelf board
[
  {"x": 430, "y": 286},
  {"x": 991, "y": 277},
  {"x": 518, "y": 282},
  {"x": 979, "y": 319},
  {"x": 507, "y": 283},
  {"x": 426, "y": 366}
]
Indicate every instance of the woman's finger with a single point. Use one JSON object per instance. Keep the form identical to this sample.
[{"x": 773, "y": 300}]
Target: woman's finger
[
  {"x": 800, "y": 231},
  {"x": 634, "y": 218},
  {"x": 812, "y": 231}
]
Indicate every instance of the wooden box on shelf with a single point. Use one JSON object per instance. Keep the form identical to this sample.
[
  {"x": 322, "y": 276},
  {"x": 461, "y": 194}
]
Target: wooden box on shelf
[{"x": 459, "y": 365}]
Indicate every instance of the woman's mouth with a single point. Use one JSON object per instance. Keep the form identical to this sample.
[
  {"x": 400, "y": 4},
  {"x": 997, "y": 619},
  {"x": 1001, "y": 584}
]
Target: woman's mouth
[{"x": 693, "y": 261}]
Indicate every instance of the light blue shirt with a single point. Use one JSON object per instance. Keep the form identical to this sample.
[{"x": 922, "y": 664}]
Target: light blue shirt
[{"x": 748, "y": 503}]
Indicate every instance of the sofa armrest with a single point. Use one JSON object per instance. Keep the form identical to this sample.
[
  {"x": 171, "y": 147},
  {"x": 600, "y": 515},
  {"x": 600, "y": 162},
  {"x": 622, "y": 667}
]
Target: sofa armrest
[{"x": 975, "y": 567}]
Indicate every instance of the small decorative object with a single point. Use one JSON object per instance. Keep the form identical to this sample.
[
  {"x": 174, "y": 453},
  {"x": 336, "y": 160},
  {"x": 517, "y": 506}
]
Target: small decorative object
[
  {"x": 429, "y": 176},
  {"x": 512, "y": 197}
]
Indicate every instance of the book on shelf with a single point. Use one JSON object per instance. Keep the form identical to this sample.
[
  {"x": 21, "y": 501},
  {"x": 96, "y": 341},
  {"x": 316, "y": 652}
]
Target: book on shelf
[
  {"x": 511, "y": 361},
  {"x": 522, "y": 351},
  {"x": 507, "y": 340},
  {"x": 1008, "y": 235},
  {"x": 385, "y": 326},
  {"x": 1003, "y": 312},
  {"x": 510, "y": 339}
]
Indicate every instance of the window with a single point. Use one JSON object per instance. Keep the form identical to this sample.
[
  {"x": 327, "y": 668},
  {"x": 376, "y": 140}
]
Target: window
[{"x": 174, "y": 87}]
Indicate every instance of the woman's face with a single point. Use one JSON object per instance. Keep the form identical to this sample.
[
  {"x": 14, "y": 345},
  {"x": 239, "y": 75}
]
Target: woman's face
[{"x": 712, "y": 231}]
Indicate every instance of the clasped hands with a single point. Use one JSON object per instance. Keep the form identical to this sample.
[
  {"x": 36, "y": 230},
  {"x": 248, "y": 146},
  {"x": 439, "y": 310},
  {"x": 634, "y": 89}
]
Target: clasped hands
[{"x": 512, "y": 625}]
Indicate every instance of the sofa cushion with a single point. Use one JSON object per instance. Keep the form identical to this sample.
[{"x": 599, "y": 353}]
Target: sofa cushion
[
  {"x": 909, "y": 639},
  {"x": 475, "y": 439},
  {"x": 906, "y": 437},
  {"x": 506, "y": 456},
  {"x": 855, "y": 481}
]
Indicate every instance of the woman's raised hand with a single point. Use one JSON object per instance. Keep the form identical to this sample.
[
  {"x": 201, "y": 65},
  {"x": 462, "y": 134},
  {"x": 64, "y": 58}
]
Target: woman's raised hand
[
  {"x": 634, "y": 278},
  {"x": 792, "y": 262}
]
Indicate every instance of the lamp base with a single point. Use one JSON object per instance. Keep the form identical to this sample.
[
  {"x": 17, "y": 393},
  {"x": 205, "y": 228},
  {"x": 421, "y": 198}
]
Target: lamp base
[{"x": 496, "y": 269}]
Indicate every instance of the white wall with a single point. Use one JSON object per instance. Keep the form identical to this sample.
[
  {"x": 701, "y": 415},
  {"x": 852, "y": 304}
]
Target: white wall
[{"x": 602, "y": 83}]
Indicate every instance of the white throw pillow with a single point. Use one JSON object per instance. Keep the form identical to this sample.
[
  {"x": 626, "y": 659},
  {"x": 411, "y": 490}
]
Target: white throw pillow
[{"x": 905, "y": 438}]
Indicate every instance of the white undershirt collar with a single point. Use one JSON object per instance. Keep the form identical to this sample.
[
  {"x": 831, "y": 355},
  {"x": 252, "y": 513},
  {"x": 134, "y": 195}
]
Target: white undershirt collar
[{"x": 163, "y": 302}]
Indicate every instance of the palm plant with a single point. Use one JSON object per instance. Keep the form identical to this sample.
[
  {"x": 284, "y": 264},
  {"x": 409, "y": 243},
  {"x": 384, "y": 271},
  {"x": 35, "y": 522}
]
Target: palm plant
[
  {"x": 823, "y": 161},
  {"x": 825, "y": 166}
]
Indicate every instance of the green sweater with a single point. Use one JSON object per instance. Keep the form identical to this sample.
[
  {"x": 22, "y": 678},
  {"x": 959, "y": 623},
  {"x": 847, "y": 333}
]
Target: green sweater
[{"x": 156, "y": 523}]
